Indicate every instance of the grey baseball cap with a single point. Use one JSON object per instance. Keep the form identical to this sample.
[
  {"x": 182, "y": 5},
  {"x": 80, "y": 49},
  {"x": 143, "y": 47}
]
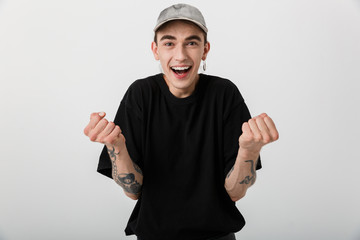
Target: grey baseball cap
[{"x": 181, "y": 12}]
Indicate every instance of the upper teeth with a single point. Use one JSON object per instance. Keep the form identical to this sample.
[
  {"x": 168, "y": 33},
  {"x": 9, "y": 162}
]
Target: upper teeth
[{"x": 180, "y": 68}]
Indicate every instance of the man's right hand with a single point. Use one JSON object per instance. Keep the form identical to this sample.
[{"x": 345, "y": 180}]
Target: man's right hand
[{"x": 101, "y": 130}]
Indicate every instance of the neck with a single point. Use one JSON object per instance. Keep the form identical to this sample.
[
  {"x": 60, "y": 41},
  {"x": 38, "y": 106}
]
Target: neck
[{"x": 182, "y": 92}]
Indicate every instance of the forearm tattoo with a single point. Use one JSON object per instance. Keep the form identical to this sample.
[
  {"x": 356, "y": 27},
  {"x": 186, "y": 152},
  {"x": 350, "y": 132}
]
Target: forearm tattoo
[
  {"x": 128, "y": 183},
  {"x": 113, "y": 154},
  {"x": 249, "y": 179},
  {"x": 126, "y": 180},
  {"x": 137, "y": 168},
  {"x": 228, "y": 175}
]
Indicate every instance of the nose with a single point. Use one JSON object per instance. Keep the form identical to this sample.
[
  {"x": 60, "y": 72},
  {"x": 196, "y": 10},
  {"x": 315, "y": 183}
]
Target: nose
[{"x": 180, "y": 53}]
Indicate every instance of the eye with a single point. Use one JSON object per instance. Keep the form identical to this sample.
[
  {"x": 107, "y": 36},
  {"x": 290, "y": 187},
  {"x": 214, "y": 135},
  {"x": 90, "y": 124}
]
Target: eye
[
  {"x": 192, "y": 43},
  {"x": 168, "y": 44}
]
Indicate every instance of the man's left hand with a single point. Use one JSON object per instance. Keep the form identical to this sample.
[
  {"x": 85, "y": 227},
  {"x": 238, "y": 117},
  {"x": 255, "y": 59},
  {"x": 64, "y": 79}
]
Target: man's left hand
[{"x": 258, "y": 132}]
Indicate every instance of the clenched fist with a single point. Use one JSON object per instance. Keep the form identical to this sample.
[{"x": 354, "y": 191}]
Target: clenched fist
[
  {"x": 258, "y": 132},
  {"x": 101, "y": 130}
]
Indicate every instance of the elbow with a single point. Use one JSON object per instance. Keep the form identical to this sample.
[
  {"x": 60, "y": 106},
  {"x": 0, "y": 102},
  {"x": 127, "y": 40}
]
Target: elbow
[
  {"x": 237, "y": 197},
  {"x": 133, "y": 196},
  {"x": 235, "y": 192}
]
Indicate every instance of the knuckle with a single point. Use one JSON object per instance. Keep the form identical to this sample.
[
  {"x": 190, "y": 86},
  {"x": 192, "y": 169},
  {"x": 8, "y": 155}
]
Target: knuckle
[
  {"x": 117, "y": 128},
  {"x": 104, "y": 121},
  {"x": 249, "y": 137},
  {"x": 266, "y": 139},
  {"x": 110, "y": 140},
  {"x": 256, "y": 139},
  {"x": 86, "y": 131},
  {"x": 245, "y": 137},
  {"x": 100, "y": 139},
  {"x": 111, "y": 125},
  {"x": 276, "y": 136},
  {"x": 92, "y": 137}
]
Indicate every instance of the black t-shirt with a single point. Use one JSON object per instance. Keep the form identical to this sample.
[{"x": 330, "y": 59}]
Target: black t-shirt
[{"x": 185, "y": 148}]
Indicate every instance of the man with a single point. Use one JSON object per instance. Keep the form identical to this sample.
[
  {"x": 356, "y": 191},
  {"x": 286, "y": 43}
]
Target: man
[{"x": 182, "y": 143}]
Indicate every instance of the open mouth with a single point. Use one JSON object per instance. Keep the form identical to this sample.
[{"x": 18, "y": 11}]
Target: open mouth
[{"x": 180, "y": 70}]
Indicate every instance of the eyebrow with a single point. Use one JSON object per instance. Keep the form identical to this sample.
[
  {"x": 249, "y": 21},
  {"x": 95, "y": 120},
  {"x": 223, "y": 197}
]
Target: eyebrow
[
  {"x": 170, "y": 37},
  {"x": 193, "y": 37}
]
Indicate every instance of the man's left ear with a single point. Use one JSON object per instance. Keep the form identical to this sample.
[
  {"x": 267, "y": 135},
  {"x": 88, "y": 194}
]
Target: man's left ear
[{"x": 206, "y": 50}]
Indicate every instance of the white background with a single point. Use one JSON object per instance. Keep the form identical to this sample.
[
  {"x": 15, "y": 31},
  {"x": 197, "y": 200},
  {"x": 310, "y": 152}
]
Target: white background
[{"x": 297, "y": 60}]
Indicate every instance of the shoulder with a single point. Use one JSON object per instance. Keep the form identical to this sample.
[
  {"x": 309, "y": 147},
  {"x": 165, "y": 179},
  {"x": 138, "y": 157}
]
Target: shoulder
[
  {"x": 144, "y": 83},
  {"x": 136, "y": 97},
  {"x": 142, "y": 87},
  {"x": 222, "y": 87},
  {"x": 217, "y": 80}
]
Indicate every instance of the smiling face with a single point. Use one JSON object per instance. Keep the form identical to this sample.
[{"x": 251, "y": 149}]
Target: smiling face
[{"x": 180, "y": 48}]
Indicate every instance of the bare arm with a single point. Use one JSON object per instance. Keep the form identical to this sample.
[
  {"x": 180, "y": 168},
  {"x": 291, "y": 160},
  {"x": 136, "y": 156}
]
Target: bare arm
[
  {"x": 124, "y": 171},
  {"x": 257, "y": 132},
  {"x": 242, "y": 175}
]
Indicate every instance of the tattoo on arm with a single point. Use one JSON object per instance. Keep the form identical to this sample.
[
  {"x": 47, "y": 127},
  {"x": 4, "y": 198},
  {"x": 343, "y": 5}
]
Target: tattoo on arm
[
  {"x": 249, "y": 179},
  {"x": 125, "y": 180},
  {"x": 228, "y": 175},
  {"x": 113, "y": 154},
  {"x": 137, "y": 168},
  {"x": 128, "y": 183}
]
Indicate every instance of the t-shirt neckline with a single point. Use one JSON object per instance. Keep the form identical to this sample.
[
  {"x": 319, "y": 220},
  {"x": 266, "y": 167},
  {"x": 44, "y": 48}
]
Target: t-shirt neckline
[{"x": 166, "y": 91}]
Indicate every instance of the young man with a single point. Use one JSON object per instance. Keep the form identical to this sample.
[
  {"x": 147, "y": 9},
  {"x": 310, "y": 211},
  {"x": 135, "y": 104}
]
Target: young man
[{"x": 182, "y": 143}]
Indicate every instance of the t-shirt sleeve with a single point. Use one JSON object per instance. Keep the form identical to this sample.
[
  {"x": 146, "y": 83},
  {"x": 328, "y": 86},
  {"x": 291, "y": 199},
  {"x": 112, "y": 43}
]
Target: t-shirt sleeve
[
  {"x": 128, "y": 118},
  {"x": 232, "y": 131}
]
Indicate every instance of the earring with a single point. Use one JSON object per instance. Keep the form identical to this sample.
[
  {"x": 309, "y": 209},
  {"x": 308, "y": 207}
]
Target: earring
[{"x": 204, "y": 65}]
